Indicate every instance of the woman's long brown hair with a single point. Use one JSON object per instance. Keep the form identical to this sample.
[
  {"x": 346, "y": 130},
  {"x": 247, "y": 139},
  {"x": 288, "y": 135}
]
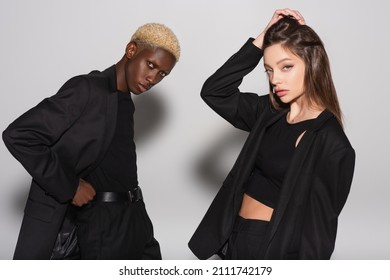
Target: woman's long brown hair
[{"x": 302, "y": 41}]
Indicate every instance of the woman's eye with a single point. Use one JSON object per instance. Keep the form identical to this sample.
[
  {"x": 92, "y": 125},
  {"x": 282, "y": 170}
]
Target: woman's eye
[{"x": 287, "y": 67}]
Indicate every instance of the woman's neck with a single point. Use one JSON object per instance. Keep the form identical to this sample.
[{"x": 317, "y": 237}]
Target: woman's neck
[{"x": 301, "y": 111}]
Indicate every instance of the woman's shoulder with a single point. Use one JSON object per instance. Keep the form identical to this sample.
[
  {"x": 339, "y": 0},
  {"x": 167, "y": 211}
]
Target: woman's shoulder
[{"x": 333, "y": 134}]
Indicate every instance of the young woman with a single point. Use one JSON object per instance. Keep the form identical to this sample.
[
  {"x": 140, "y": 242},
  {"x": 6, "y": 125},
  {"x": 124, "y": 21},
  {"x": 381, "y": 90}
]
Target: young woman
[{"x": 283, "y": 196}]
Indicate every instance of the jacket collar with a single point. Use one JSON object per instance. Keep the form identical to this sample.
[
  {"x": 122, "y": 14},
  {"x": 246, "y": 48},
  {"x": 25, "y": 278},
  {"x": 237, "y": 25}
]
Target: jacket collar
[
  {"x": 321, "y": 119},
  {"x": 110, "y": 73},
  {"x": 111, "y": 112}
]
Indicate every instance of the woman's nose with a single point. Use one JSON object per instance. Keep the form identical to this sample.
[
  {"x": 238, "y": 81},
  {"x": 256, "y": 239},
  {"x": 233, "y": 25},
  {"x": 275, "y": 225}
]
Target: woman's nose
[{"x": 275, "y": 78}]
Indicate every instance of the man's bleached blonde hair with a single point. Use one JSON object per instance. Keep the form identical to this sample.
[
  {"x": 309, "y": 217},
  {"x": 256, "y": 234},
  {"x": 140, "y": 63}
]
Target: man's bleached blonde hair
[{"x": 157, "y": 35}]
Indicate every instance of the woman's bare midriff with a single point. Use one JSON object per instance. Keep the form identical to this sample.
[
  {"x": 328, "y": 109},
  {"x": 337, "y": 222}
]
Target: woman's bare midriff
[{"x": 253, "y": 209}]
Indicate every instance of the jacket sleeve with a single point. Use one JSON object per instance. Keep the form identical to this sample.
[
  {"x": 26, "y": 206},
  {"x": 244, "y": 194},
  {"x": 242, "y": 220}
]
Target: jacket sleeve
[
  {"x": 31, "y": 138},
  {"x": 221, "y": 92},
  {"x": 330, "y": 190}
]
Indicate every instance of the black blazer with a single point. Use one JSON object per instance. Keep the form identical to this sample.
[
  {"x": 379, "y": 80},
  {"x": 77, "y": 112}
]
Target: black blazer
[
  {"x": 316, "y": 185},
  {"x": 58, "y": 142}
]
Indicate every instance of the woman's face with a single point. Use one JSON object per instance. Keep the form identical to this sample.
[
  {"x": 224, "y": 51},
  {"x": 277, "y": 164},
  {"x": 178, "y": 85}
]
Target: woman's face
[{"x": 286, "y": 73}]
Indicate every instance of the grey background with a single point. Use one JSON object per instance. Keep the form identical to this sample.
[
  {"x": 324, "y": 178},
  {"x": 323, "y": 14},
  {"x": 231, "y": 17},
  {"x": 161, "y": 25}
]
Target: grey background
[{"x": 184, "y": 149}]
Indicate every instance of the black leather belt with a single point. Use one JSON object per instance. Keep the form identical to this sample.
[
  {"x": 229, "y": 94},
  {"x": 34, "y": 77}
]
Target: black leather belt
[{"x": 130, "y": 196}]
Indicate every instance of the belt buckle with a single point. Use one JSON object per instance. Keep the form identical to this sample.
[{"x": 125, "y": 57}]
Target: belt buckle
[{"x": 135, "y": 195}]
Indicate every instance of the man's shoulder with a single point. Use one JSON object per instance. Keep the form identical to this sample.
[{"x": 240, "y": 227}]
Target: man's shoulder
[
  {"x": 102, "y": 79},
  {"x": 94, "y": 80}
]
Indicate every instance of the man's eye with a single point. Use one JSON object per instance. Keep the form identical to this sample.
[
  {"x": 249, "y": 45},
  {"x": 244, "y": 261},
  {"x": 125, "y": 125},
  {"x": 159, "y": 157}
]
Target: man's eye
[
  {"x": 150, "y": 65},
  {"x": 163, "y": 74}
]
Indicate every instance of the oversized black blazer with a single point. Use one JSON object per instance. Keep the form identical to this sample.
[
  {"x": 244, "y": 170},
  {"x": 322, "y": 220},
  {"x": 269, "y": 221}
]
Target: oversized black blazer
[
  {"x": 316, "y": 185},
  {"x": 58, "y": 142}
]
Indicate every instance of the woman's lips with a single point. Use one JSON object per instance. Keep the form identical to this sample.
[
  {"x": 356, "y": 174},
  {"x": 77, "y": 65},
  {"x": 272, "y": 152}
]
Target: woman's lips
[{"x": 281, "y": 92}]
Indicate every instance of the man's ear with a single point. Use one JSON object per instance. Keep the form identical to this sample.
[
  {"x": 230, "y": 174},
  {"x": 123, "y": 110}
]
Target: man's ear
[{"x": 131, "y": 49}]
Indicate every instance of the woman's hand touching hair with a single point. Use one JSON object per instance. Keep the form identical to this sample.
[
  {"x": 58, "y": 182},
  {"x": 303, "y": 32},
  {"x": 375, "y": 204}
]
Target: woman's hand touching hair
[{"x": 278, "y": 14}]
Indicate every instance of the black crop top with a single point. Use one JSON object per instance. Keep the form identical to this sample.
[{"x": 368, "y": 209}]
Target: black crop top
[{"x": 276, "y": 151}]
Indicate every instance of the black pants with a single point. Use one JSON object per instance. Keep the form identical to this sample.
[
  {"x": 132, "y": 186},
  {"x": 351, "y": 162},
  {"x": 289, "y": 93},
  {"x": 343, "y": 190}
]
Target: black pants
[
  {"x": 116, "y": 230},
  {"x": 246, "y": 239}
]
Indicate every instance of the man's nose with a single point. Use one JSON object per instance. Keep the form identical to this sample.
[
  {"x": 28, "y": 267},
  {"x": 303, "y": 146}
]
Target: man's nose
[{"x": 153, "y": 78}]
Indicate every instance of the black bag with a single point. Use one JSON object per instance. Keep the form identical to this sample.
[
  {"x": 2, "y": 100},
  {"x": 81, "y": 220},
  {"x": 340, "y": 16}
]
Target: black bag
[{"x": 66, "y": 246}]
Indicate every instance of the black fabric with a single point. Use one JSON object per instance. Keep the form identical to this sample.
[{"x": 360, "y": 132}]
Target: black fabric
[
  {"x": 246, "y": 239},
  {"x": 273, "y": 160},
  {"x": 66, "y": 246},
  {"x": 117, "y": 172},
  {"x": 117, "y": 230}
]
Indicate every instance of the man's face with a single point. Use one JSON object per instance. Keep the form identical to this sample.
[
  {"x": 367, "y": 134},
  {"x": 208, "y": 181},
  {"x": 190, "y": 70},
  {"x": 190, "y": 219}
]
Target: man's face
[{"x": 146, "y": 67}]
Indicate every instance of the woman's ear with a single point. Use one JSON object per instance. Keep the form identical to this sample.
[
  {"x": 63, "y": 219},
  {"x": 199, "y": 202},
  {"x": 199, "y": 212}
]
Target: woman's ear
[{"x": 131, "y": 49}]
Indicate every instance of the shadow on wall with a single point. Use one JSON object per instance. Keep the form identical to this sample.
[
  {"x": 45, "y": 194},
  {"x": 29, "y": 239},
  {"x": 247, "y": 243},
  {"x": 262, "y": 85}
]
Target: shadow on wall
[
  {"x": 215, "y": 163},
  {"x": 150, "y": 114},
  {"x": 19, "y": 197}
]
